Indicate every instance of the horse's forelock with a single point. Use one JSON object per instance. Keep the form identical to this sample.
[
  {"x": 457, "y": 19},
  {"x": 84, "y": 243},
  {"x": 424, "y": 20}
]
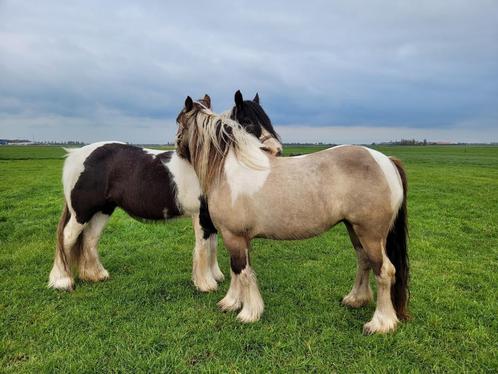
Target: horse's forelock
[{"x": 257, "y": 116}]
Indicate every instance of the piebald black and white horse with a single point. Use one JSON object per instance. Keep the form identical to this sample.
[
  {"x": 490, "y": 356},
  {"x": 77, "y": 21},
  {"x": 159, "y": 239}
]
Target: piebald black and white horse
[
  {"x": 147, "y": 184},
  {"x": 254, "y": 194}
]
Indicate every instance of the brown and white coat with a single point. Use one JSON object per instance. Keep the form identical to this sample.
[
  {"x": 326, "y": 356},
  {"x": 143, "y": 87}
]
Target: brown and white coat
[
  {"x": 254, "y": 194},
  {"x": 149, "y": 185}
]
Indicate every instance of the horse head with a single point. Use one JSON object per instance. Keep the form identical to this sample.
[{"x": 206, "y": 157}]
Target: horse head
[{"x": 254, "y": 119}]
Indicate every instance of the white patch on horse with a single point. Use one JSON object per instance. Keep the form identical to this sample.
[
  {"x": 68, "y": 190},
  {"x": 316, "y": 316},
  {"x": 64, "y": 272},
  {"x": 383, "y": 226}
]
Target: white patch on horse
[
  {"x": 74, "y": 166},
  {"x": 244, "y": 180},
  {"x": 392, "y": 177},
  {"x": 153, "y": 152},
  {"x": 188, "y": 188}
]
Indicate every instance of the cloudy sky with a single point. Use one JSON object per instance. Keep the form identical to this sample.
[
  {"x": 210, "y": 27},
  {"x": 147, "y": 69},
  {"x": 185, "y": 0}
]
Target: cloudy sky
[{"x": 331, "y": 71}]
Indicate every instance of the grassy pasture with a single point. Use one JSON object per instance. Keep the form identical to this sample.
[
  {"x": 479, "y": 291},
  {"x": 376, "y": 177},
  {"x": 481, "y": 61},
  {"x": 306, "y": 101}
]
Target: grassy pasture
[{"x": 149, "y": 317}]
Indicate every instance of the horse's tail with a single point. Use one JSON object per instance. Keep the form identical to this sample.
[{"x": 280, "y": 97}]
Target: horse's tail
[
  {"x": 60, "y": 236},
  {"x": 397, "y": 251},
  {"x": 76, "y": 250}
]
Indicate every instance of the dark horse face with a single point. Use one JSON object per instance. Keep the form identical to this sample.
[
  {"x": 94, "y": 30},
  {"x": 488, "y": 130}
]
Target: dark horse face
[{"x": 255, "y": 121}]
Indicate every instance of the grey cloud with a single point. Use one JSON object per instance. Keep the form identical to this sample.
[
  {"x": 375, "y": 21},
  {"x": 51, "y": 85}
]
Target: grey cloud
[{"x": 422, "y": 65}]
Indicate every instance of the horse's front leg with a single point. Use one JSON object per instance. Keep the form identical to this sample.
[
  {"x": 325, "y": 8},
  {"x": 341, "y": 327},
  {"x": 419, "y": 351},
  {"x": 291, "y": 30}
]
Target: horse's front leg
[
  {"x": 243, "y": 286},
  {"x": 201, "y": 270}
]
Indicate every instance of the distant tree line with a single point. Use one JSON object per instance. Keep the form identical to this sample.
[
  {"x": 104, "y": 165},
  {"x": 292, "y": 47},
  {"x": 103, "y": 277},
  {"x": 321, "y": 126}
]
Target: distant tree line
[
  {"x": 69, "y": 142},
  {"x": 414, "y": 142},
  {"x": 406, "y": 142},
  {"x": 308, "y": 144},
  {"x": 319, "y": 144}
]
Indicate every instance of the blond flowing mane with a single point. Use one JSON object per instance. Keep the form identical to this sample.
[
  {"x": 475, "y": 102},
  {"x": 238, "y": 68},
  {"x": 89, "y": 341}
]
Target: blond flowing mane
[{"x": 212, "y": 137}]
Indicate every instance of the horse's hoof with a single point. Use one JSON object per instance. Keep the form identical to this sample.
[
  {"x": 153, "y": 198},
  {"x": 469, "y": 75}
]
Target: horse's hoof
[
  {"x": 206, "y": 285},
  {"x": 63, "y": 284},
  {"x": 229, "y": 304},
  {"x": 355, "y": 302},
  {"x": 247, "y": 315},
  {"x": 99, "y": 276},
  {"x": 380, "y": 325}
]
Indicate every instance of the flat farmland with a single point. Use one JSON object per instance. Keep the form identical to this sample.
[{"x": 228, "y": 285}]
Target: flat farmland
[{"x": 149, "y": 317}]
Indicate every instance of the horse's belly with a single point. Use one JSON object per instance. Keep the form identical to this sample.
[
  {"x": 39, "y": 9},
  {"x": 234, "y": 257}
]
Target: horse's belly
[
  {"x": 151, "y": 201},
  {"x": 298, "y": 221},
  {"x": 289, "y": 231}
]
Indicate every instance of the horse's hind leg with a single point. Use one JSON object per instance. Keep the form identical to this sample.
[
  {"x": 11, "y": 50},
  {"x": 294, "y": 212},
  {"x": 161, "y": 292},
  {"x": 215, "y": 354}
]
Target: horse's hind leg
[
  {"x": 201, "y": 270},
  {"x": 361, "y": 293},
  {"x": 60, "y": 275},
  {"x": 384, "y": 318},
  {"x": 90, "y": 267},
  {"x": 213, "y": 259}
]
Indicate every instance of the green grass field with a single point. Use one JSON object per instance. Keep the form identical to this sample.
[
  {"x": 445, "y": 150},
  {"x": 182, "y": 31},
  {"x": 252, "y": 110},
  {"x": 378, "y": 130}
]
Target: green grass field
[{"x": 148, "y": 316}]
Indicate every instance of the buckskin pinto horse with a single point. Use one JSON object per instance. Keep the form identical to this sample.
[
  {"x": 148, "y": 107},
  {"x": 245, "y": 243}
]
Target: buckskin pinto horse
[
  {"x": 148, "y": 184},
  {"x": 254, "y": 194}
]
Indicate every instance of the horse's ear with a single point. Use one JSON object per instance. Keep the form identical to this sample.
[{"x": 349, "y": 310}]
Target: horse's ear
[
  {"x": 207, "y": 100},
  {"x": 239, "y": 100},
  {"x": 189, "y": 104},
  {"x": 256, "y": 98}
]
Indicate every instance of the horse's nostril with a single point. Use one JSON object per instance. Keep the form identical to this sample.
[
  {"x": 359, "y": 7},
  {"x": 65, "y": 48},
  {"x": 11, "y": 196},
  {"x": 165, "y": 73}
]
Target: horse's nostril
[{"x": 279, "y": 153}]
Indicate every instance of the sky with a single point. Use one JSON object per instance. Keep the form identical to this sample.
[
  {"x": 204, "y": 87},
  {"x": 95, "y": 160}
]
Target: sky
[{"x": 326, "y": 71}]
